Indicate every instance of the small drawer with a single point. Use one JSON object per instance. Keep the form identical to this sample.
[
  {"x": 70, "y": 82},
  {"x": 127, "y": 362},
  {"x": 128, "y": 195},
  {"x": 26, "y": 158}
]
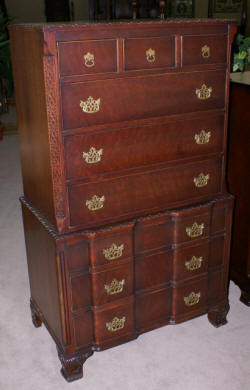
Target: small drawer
[
  {"x": 149, "y": 53},
  {"x": 192, "y": 224},
  {"x": 86, "y": 57},
  {"x": 114, "y": 320},
  {"x": 125, "y": 99},
  {"x": 153, "y": 270},
  {"x": 108, "y": 247},
  {"x": 91, "y": 154},
  {"x": 191, "y": 261},
  {"x": 114, "y": 198},
  {"x": 204, "y": 49},
  {"x": 113, "y": 284},
  {"x": 189, "y": 298}
]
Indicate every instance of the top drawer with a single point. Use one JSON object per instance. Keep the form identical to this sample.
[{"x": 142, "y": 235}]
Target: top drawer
[
  {"x": 149, "y": 53},
  {"x": 86, "y": 57},
  {"x": 204, "y": 49}
]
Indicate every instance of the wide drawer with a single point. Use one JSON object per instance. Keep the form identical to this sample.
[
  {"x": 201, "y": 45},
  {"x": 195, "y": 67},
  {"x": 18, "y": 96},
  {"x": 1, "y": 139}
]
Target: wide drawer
[
  {"x": 204, "y": 49},
  {"x": 86, "y": 57},
  {"x": 123, "y": 99},
  {"x": 96, "y": 202},
  {"x": 149, "y": 53},
  {"x": 112, "y": 150}
]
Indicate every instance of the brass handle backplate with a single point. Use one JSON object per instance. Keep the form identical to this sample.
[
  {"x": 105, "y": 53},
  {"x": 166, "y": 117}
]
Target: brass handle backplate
[
  {"x": 90, "y": 106},
  {"x": 201, "y": 180},
  {"x": 150, "y": 55},
  {"x": 195, "y": 230},
  {"x": 205, "y": 51},
  {"x": 114, "y": 252},
  {"x": 115, "y": 287},
  {"x": 203, "y": 137},
  {"x": 95, "y": 203},
  {"x": 93, "y": 156},
  {"x": 192, "y": 299},
  {"x": 204, "y": 92},
  {"x": 116, "y": 324},
  {"x": 194, "y": 263},
  {"x": 89, "y": 60}
]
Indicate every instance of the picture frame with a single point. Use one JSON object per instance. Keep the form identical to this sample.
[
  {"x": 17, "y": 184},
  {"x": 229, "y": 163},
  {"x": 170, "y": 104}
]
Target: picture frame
[
  {"x": 182, "y": 8},
  {"x": 227, "y": 6}
]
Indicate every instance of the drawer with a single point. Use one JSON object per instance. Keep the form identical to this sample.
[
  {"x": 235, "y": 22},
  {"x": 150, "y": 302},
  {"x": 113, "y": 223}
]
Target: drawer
[
  {"x": 92, "y": 154},
  {"x": 114, "y": 320},
  {"x": 109, "y": 247},
  {"x": 204, "y": 49},
  {"x": 149, "y": 53},
  {"x": 153, "y": 307},
  {"x": 113, "y": 284},
  {"x": 124, "y": 99},
  {"x": 112, "y": 199},
  {"x": 153, "y": 270},
  {"x": 191, "y": 261},
  {"x": 86, "y": 57},
  {"x": 189, "y": 298},
  {"x": 192, "y": 223}
]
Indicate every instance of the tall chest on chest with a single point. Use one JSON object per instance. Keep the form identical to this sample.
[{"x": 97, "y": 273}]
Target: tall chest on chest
[{"x": 123, "y": 137}]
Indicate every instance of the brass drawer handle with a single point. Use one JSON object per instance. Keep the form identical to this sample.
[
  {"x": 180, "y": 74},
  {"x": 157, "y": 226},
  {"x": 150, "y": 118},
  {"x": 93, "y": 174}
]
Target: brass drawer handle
[
  {"x": 89, "y": 60},
  {"x": 90, "y": 106},
  {"x": 116, "y": 324},
  {"x": 204, "y": 92},
  {"x": 205, "y": 51},
  {"x": 114, "y": 252},
  {"x": 201, "y": 180},
  {"x": 194, "y": 263},
  {"x": 150, "y": 55},
  {"x": 195, "y": 230},
  {"x": 93, "y": 156},
  {"x": 115, "y": 287},
  {"x": 95, "y": 203},
  {"x": 192, "y": 299},
  {"x": 203, "y": 137}
]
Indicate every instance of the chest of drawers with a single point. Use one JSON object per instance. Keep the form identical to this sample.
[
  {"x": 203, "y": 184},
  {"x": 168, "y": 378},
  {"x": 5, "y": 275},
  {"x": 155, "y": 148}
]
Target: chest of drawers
[{"x": 126, "y": 213}]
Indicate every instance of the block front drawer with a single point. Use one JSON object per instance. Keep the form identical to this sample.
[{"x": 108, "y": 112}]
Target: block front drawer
[
  {"x": 95, "y": 153},
  {"x": 97, "y": 202},
  {"x": 125, "y": 99}
]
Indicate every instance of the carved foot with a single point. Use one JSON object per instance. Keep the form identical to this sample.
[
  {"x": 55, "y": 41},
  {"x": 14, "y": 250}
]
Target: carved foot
[
  {"x": 245, "y": 297},
  {"x": 217, "y": 317},
  {"x": 72, "y": 364},
  {"x": 36, "y": 319}
]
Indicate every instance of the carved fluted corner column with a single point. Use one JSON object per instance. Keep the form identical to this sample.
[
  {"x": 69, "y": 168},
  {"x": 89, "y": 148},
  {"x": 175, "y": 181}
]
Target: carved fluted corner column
[
  {"x": 134, "y": 6},
  {"x": 162, "y": 8}
]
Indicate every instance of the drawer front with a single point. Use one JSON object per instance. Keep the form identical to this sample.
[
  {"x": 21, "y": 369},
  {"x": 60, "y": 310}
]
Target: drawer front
[
  {"x": 109, "y": 247},
  {"x": 91, "y": 154},
  {"x": 191, "y": 261},
  {"x": 153, "y": 307},
  {"x": 153, "y": 270},
  {"x": 191, "y": 297},
  {"x": 116, "y": 100},
  {"x": 113, "y": 284},
  {"x": 205, "y": 49},
  {"x": 86, "y": 57},
  {"x": 111, "y": 199},
  {"x": 114, "y": 321},
  {"x": 149, "y": 53}
]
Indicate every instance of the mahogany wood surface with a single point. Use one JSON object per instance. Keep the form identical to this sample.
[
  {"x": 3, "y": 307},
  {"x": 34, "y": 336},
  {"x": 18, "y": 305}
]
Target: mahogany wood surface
[
  {"x": 238, "y": 171},
  {"x": 123, "y": 133}
]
